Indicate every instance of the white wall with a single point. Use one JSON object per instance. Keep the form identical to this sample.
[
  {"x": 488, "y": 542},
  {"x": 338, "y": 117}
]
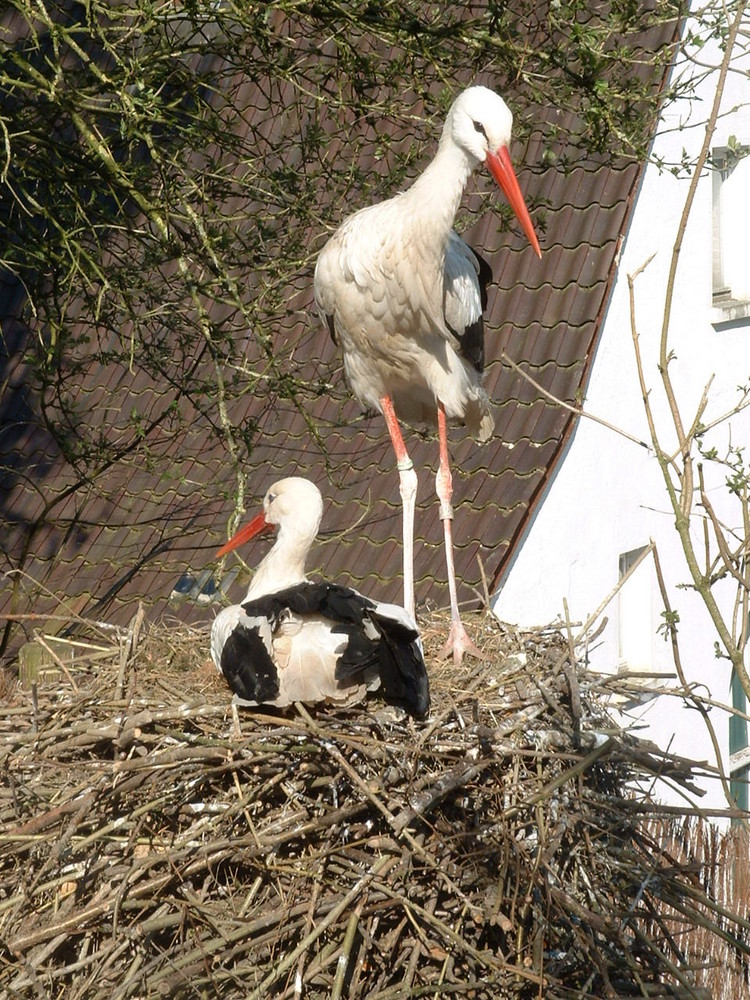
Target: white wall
[{"x": 609, "y": 496}]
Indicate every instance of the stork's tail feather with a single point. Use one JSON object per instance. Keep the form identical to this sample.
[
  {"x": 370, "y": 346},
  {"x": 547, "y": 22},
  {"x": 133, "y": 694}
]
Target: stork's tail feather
[
  {"x": 479, "y": 416},
  {"x": 486, "y": 427}
]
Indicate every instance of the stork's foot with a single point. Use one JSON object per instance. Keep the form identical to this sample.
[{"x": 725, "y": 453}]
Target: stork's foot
[
  {"x": 236, "y": 727},
  {"x": 458, "y": 643},
  {"x": 390, "y": 715}
]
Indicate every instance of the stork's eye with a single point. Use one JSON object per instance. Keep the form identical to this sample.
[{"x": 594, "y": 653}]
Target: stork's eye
[
  {"x": 271, "y": 497},
  {"x": 479, "y": 128}
]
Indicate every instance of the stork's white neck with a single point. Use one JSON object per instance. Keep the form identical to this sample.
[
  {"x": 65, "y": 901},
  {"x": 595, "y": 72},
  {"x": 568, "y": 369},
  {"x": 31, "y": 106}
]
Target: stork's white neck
[
  {"x": 436, "y": 195},
  {"x": 284, "y": 566}
]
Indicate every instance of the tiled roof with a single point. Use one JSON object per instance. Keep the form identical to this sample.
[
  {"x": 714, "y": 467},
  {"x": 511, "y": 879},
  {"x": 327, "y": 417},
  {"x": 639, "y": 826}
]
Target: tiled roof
[{"x": 149, "y": 518}]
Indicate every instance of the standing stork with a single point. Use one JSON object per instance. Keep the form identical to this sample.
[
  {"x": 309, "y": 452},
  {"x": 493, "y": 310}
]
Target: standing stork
[
  {"x": 295, "y": 640},
  {"x": 403, "y": 295}
]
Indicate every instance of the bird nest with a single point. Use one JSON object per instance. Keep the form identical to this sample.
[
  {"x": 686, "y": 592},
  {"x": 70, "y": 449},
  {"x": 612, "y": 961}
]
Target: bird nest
[{"x": 495, "y": 850}]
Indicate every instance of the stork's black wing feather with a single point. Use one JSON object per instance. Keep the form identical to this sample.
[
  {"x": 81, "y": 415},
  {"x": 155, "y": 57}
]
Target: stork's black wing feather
[
  {"x": 329, "y": 600},
  {"x": 331, "y": 329},
  {"x": 471, "y": 338},
  {"x": 403, "y": 673},
  {"x": 248, "y": 667},
  {"x": 485, "y": 277}
]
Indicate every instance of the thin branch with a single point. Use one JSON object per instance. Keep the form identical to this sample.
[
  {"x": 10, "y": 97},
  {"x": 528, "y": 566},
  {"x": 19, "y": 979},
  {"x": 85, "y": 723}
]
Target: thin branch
[
  {"x": 671, "y": 627},
  {"x": 577, "y": 410}
]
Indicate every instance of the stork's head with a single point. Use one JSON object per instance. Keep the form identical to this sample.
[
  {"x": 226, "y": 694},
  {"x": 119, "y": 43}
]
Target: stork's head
[
  {"x": 293, "y": 499},
  {"x": 479, "y": 122},
  {"x": 293, "y": 505}
]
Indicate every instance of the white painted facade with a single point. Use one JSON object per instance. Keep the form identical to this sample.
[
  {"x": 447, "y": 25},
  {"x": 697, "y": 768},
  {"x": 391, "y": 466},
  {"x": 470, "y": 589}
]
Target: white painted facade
[{"x": 609, "y": 498}]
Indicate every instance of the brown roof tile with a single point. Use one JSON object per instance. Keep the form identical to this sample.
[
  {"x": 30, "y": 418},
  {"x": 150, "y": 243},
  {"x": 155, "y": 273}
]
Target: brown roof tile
[{"x": 133, "y": 530}]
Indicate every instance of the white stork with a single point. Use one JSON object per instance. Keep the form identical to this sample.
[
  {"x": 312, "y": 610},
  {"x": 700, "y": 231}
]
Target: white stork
[
  {"x": 293, "y": 640},
  {"x": 403, "y": 295}
]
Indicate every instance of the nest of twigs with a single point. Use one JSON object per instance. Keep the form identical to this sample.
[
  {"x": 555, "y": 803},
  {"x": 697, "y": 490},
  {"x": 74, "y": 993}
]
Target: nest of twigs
[{"x": 494, "y": 850}]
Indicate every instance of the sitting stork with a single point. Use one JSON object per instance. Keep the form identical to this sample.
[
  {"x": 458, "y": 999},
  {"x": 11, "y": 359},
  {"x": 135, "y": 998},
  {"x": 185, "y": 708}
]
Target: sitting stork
[{"x": 293, "y": 640}]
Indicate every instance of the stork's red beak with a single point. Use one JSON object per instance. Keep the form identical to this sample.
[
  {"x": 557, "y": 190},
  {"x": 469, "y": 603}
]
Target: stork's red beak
[
  {"x": 503, "y": 172},
  {"x": 250, "y": 530}
]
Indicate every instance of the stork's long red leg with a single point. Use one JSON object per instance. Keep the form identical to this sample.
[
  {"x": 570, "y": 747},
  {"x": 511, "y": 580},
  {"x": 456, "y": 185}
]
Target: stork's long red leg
[
  {"x": 408, "y": 490},
  {"x": 458, "y": 641}
]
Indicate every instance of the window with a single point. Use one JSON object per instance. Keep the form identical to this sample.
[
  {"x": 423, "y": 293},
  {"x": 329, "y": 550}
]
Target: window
[
  {"x": 731, "y": 225},
  {"x": 202, "y": 588},
  {"x": 635, "y": 629}
]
